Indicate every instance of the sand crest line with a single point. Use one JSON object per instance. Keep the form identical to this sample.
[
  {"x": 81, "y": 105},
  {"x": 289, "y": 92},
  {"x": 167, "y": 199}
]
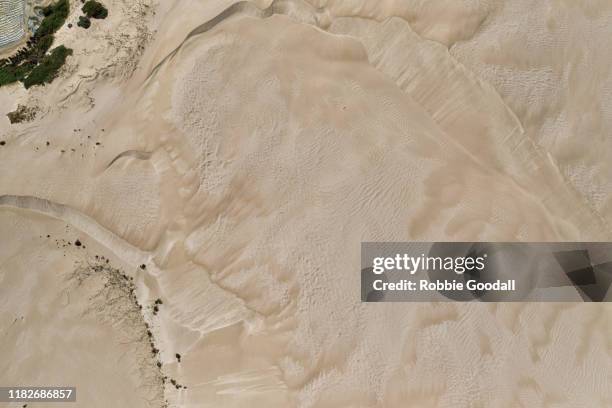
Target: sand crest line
[
  {"x": 127, "y": 252},
  {"x": 136, "y": 154},
  {"x": 121, "y": 248},
  {"x": 242, "y": 9}
]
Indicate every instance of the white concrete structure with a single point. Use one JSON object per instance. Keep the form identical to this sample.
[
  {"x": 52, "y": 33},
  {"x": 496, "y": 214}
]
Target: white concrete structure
[{"x": 12, "y": 21}]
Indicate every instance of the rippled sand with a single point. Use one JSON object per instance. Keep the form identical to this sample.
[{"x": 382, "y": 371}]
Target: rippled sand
[{"x": 229, "y": 158}]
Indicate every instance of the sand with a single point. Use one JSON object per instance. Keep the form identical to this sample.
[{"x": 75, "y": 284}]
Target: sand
[{"x": 230, "y": 158}]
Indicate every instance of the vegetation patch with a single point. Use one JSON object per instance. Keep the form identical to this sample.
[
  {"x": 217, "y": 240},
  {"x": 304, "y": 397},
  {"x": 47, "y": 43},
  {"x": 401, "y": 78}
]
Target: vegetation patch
[
  {"x": 113, "y": 301},
  {"x": 33, "y": 59},
  {"x": 48, "y": 68},
  {"x": 84, "y": 22},
  {"x": 55, "y": 16},
  {"x": 94, "y": 9},
  {"x": 22, "y": 114}
]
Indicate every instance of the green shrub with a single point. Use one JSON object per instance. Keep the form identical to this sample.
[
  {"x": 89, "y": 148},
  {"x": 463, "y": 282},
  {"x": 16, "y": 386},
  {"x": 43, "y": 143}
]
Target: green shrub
[
  {"x": 48, "y": 68},
  {"x": 10, "y": 74},
  {"x": 94, "y": 9},
  {"x": 39, "y": 48},
  {"x": 32, "y": 65},
  {"x": 84, "y": 22},
  {"x": 55, "y": 16}
]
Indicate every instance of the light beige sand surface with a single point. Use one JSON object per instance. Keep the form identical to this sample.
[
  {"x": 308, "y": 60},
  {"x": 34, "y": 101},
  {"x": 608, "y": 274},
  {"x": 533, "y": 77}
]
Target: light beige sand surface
[
  {"x": 62, "y": 328},
  {"x": 242, "y": 154}
]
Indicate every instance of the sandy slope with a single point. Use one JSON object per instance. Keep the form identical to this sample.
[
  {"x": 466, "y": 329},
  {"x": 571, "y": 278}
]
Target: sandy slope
[
  {"x": 559, "y": 66},
  {"x": 245, "y": 160},
  {"x": 60, "y": 331}
]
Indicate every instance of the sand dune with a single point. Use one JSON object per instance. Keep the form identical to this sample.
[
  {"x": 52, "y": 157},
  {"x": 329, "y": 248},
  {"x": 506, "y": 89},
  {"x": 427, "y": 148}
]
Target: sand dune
[
  {"x": 63, "y": 331},
  {"x": 240, "y": 157}
]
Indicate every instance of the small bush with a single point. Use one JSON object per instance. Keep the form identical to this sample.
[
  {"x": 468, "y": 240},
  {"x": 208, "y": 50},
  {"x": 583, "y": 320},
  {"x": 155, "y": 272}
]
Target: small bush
[
  {"x": 84, "y": 22},
  {"x": 94, "y": 9},
  {"x": 48, "y": 68}
]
